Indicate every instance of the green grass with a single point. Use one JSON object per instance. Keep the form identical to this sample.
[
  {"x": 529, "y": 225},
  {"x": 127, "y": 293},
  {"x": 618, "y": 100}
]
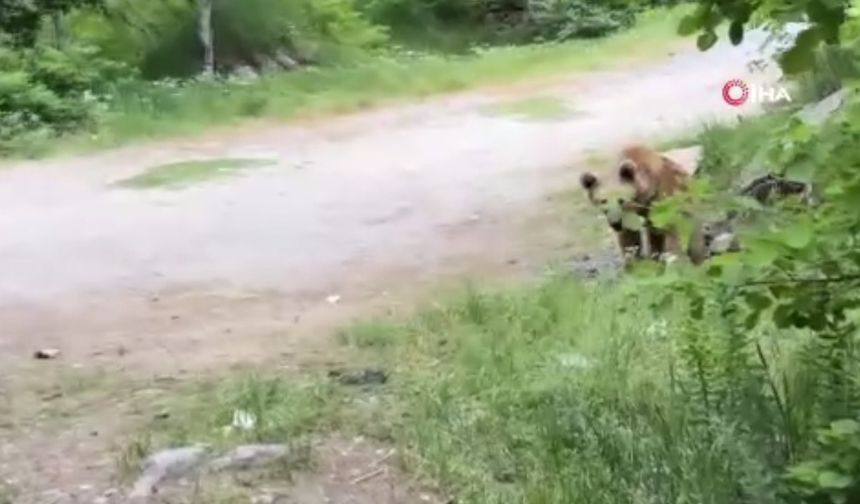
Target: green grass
[
  {"x": 569, "y": 392},
  {"x": 282, "y": 409},
  {"x": 182, "y": 174},
  {"x": 537, "y": 108},
  {"x": 142, "y": 110}
]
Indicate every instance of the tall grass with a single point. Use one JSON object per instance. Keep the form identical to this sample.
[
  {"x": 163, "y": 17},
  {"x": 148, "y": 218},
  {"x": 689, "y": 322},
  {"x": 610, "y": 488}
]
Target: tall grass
[
  {"x": 146, "y": 110},
  {"x": 569, "y": 392}
]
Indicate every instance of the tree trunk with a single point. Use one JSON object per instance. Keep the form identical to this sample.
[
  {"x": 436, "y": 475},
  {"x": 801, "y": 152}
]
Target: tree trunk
[
  {"x": 204, "y": 27},
  {"x": 58, "y": 25}
]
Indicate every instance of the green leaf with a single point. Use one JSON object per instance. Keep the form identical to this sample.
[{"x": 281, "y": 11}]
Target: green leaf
[
  {"x": 845, "y": 427},
  {"x": 828, "y": 16},
  {"x": 706, "y": 40},
  {"x": 817, "y": 320},
  {"x": 761, "y": 254},
  {"x": 802, "y": 171},
  {"x": 801, "y": 56},
  {"x": 799, "y": 235},
  {"x": 782, "y": 316},
  {"x": 689, "y": 24},
  {"x": 834, "y": 480},
  {"x": 751, "y": 320},
  {"x": 758, "y": 301},
  {"x": 736, "y": 32},
  {"x": 632, "y": 221},
  {"x": 697, "y": 307}
]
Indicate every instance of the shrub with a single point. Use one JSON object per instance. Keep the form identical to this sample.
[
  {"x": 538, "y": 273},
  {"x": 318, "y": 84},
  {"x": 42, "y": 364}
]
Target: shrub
[
  {"x": 44, "y": 90},
  {"x": 564, "y": 19}
]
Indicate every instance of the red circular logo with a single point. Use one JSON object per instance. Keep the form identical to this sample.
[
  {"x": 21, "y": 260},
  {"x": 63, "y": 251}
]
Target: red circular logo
[{"x": 734, "y": 87}]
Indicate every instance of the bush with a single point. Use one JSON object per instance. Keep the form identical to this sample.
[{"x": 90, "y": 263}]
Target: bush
[
  {"x": 564, "y": 19},
  {"x": 47, "y": 91},
  {"x": 527, "y": 19}
]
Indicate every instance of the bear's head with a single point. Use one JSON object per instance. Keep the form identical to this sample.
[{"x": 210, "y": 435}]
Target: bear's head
[{"x": 614, "y": 195}]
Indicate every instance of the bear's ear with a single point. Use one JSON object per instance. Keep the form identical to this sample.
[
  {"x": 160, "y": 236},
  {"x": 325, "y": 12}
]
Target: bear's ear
[
  {"x": 588, "y": 181},
  {"x": 627, "y": 171}
]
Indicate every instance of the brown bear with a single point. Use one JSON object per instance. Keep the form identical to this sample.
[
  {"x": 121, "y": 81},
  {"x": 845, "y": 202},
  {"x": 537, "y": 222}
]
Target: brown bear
[{"x": 641, "y": 177}]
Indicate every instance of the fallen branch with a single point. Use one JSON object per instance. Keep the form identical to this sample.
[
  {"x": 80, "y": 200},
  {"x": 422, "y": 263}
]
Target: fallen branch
[{"x": 367, "y": 476}]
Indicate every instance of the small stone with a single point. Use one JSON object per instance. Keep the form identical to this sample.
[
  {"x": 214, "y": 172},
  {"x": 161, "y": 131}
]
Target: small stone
[
  {"x": 365, "y": 377},
  {"x": 818, "y": 112},
  {"x": 243, "y": 420},
  {"x": 249, "y": 456},
  {"x": 167, "y": 465},
  {"x": 46, "y": 354}
]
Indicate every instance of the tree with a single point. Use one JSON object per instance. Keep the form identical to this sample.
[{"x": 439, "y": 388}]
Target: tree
[
  {"x": 20, "y": 19},
  {"x": 204, "y": 29}
]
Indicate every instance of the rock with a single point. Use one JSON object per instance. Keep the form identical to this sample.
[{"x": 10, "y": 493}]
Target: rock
[
  {"x": 818, "y": 112},
  {"x": 365, "y": 377},
  {"x": 46, "y": 353},
  {"x": 601, "y": 264},
  {"x": 245, "y": 73},
  {"x": 165, "y": 466},
  {"x": 574, "y": 360},
  {"x": 243, "y": 420},
  {"x": 722, "y": 243},
  {"x": 688, "y": 157},
  {"x": 249, "y": 456}
]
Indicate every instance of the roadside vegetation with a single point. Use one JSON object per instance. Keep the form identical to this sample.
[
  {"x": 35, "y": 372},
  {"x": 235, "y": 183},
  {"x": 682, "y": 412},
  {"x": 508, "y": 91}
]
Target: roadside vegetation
[{"x": 102, "y": 72}]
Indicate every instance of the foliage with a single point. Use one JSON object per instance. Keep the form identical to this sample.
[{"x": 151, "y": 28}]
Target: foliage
[
  {"x": 799, "y": 270},
  {"x": 21, "y": 18},
  {"x": 47, "y": 91},
  {"x": 517, "y": 19},
  {"x": 564, "y": 19},
  {"x": 826, "y": 18},
  {"x": 834, "y": 474}
]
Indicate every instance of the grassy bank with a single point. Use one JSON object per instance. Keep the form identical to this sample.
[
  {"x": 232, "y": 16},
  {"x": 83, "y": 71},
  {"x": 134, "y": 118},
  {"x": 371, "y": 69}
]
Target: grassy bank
[{"x": 141, "y": 110}]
